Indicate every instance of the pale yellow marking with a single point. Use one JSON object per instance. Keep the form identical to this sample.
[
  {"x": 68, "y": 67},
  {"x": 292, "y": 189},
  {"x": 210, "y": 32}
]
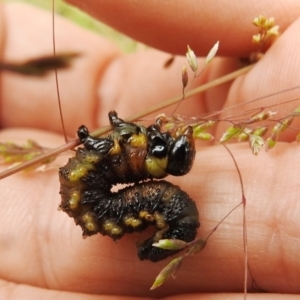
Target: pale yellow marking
[
  {"x": 112, "y": 229},
  {"x": 89, "y": 222},
  {"x": 131, "y": 221},
  {"x": 116, "y": 230},
  {"x": 92, "y": 158},
  {"x": 80, "y": 171},
  {"x": 107, "y": 226},
  {"x": 146, "y": 215},
  {"x": 138, "y": 140},
  {"x": 116, "y": 149},
  {"x": 156, "y": 167},
  {"x": 74, "y": 200},
  {"x": 77, "y": 173}
]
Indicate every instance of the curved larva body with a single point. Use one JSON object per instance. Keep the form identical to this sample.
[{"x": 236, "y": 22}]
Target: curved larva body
[{"x": 131, "y": 154}]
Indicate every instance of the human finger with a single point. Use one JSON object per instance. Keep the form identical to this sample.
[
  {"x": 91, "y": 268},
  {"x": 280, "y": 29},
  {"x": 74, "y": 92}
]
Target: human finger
[
  {"x": 14, "y": 291},
  {"x": 170, "y": 26}
]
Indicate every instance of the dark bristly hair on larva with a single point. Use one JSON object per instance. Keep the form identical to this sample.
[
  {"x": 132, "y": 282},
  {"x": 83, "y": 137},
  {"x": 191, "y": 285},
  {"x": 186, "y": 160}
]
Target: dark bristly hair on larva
[{"x": 131, "y": 154}]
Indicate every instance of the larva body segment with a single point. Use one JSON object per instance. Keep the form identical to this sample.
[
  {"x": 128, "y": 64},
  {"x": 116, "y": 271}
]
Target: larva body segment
[{"x": 131, "y": 154}]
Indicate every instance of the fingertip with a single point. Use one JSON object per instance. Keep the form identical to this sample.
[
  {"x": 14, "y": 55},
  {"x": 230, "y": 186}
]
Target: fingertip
[{"x": 197, "y": 24}]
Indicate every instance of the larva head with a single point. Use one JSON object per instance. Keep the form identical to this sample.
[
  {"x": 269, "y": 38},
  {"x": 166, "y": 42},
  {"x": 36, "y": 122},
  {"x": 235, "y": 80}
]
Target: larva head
[
  {"x": 181, "y": 154},
  {"x": 168, "y": 155}
]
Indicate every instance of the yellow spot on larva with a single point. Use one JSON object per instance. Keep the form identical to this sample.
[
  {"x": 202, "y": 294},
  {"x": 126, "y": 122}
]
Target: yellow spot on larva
[
  {"x": 90, "y": 226},
  {"x": 74, "y": 200},
  {"x": 112, "y": 229},
  {"x": 138, "y": 140},
  {"x": 116, "y": 149},
  {"x": 79, "y": 172},
  {"x": 156, "y": 167},
  {"x": 107, "y": 226},
  {"x": 92, "y": 158},
  {"x": 116, "y": 230},
  {"x": 132, "y": 222},
  {"x": 136, "y": 223},
  {"x": 146, "y": 216},
  {"x": 89, "y": 222}
]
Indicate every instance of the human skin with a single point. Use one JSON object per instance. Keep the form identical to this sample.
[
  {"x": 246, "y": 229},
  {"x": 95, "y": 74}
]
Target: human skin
[{"x": 42, "y": 253}]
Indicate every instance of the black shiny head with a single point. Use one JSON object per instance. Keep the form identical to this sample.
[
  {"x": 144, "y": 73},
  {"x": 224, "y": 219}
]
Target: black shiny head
[{"x": 181, "y": 154}]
